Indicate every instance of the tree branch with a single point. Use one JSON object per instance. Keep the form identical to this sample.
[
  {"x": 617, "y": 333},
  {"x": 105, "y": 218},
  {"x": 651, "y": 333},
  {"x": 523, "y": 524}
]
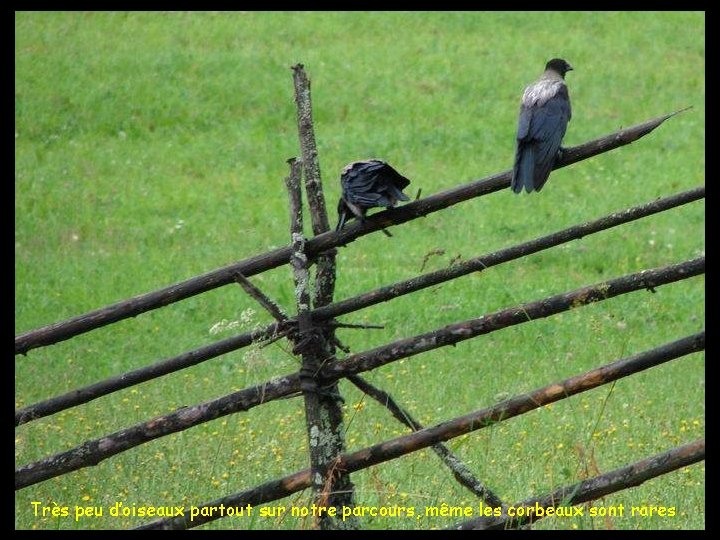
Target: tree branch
[{"x": 270, "y": 306}]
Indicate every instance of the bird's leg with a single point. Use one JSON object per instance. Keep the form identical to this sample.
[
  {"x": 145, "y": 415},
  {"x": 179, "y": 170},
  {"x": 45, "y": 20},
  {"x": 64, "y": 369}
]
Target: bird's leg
[
  {"x": 342, "y": 217},
  {"x": 383, "y": 229},
  {"x": 560, "y": 154},
  {"x": 360, "y": 214}
]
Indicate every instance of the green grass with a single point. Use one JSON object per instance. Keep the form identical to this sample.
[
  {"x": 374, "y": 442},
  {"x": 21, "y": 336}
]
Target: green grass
[{"x": 151, "y": 147}]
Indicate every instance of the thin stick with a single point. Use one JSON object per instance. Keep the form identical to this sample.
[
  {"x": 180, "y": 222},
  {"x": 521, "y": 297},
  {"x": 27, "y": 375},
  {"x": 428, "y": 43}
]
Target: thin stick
[
  {"x": 278, "y": 337},
  {"x": 270, "y": 306},
  {"x": 335, "y": 324}
]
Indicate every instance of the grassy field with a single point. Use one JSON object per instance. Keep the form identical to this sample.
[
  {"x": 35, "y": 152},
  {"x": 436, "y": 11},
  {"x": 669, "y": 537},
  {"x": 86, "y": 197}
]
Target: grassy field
[{"x": 151, "y": 147}]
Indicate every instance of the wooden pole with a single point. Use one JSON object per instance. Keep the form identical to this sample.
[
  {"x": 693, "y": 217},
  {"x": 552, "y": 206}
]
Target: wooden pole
[
  {"x": 333, "y": 487},
  {"x": 593, "y": 488}
]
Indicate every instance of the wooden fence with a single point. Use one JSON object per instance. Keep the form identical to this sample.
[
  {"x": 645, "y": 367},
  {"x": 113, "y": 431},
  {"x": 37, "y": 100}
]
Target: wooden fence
[{"x": 311, "y": 331}]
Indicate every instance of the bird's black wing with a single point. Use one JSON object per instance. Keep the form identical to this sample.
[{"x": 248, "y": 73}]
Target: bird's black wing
[
  {"x": 373, "y": 183},
  {"x": 397, "y": 180},
  {"x": 524, "y": 166},
  {"x": 360, "y": 177},
  {"x": 546, "y": 130},
  {"x": 390, "y": 184}
]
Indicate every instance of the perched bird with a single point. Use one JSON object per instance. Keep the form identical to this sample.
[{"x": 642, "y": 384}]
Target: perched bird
[
  {"x": 544, "y": 114},
  {"x": 368, "y": 184}
]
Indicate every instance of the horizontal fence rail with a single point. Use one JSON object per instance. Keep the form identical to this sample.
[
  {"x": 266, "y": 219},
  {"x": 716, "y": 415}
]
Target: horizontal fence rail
[
  {"x": 92, "y": 452},
  {"x": 383, "y": 294},
  {"x": 552, "y": 305},
  {"x": 480, "y": 419},
  {"x": 132, "y": 307},
  {"x": 593, "y": 488}
]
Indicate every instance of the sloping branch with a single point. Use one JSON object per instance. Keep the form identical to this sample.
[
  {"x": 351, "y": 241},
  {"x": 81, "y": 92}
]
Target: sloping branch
[
  {"x": 269, "y": 305},
  {"x": 383, "y": 294},
  {"x": 92, "y": 452},
  {"x": 400, "y": 446},
  {"x": 60, "y": 331},
  {"x": 460, "y": 471}
]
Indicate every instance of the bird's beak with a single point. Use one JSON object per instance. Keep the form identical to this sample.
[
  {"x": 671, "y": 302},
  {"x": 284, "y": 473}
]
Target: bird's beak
[{"x": 570, "y": 68}]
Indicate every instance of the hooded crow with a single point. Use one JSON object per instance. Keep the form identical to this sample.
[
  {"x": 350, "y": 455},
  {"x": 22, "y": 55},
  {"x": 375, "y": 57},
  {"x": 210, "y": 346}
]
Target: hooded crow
[
  {"x": 367, "y": 184},
  {"x": 544, "y": 114}
]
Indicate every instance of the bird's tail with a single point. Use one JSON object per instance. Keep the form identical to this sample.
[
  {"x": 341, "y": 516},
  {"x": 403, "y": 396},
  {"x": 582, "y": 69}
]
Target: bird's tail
[
  {"x": 524, "y": 169},
  {"x": 396, "y": 195}
]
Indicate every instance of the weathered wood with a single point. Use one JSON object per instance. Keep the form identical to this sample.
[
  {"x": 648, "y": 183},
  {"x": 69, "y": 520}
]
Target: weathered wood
[
  {"x": 332, "y": 487},
  {"x": 383, "y": 294},
  {"x": 92, "y": 452},
  {"x": 60, "y": 331},
  {"x": 306, "y": 342},
  {"x": 625, "y": 477},
  {"x": 552, "y": 305},
  {"x": 137, "y": 376},
  {"x": 335, "y": 324},
  {"x": 480, "y": 419},
  {"x": 298, "y": 259},
  {"x": 460, "y": 471},
  {"x": 483, "y": 262},
  {"x": 308, "y": 149}
]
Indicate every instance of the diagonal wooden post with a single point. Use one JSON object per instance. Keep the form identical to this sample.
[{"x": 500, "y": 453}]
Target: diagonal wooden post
[
  {"x": 338, "y": 490},
  {"x": 460, "y": 471}
]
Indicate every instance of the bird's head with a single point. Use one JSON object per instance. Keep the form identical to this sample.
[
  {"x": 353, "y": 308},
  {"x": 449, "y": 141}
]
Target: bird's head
[{"x": 559, "y": 65}]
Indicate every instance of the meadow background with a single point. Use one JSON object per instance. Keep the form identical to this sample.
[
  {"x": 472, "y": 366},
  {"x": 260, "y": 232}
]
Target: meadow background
[{"x": 151, "y": 147}]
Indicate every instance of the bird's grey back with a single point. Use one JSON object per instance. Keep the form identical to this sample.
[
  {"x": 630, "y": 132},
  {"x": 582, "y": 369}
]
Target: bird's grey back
[{"x": 540, "y": 92}]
